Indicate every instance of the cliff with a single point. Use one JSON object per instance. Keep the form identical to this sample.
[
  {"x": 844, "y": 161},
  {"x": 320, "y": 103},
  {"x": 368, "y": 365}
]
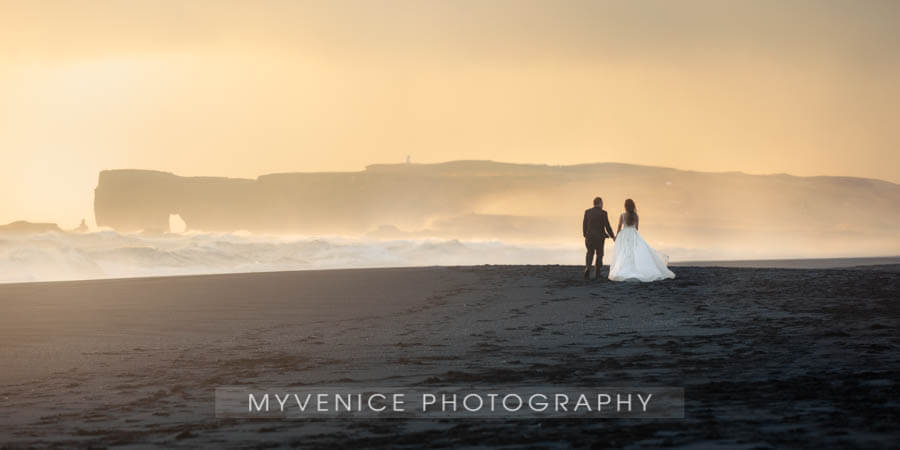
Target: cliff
[{"x": 483, "y": 199}]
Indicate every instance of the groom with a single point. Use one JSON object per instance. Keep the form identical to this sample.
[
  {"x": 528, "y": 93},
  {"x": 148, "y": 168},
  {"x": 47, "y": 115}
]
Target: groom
[{"x": 595, "y": 229}]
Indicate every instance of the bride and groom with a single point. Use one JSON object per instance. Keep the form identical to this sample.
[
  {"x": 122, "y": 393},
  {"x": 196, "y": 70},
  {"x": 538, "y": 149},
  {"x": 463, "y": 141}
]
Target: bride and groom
[{"x": 633, "y": 259}]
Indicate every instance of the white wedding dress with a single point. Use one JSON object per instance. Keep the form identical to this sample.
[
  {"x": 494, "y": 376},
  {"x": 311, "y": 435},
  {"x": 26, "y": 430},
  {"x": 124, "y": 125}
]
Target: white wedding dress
[{"x": 634, "y": 260}]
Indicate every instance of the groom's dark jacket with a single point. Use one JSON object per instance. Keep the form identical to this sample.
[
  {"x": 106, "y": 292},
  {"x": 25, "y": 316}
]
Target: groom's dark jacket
[{"x": 596, "y": 227}]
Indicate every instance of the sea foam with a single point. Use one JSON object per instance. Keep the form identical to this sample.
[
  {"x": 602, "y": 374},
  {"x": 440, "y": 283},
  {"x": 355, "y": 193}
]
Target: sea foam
[{"x": 56, "y": 256}]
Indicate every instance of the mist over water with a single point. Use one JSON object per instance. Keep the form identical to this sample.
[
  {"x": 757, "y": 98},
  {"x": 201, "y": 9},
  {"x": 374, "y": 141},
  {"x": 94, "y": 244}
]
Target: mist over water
[
  {"x": 455, "y": 213},
  {"x": 108, "y": 254},
  {"x": 56, "y": 256},
  {"x": 486, "y": 212}
]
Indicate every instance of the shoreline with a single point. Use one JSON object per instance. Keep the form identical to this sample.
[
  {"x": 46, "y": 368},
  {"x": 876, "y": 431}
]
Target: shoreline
[
  {"x": 787, "y": 263},
  {"x": 794, "y": 263}
]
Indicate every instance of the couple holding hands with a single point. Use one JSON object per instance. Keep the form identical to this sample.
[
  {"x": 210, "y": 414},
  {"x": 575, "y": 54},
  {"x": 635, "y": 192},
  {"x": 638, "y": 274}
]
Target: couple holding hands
[{"x": 633, "y": 259}]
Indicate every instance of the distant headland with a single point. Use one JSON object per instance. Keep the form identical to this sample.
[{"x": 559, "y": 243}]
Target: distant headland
[{"x": 492, "y": 200}]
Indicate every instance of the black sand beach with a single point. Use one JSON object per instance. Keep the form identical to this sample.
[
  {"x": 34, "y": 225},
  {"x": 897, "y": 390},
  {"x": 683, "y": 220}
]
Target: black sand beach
[{"x": 768, "y": 357}]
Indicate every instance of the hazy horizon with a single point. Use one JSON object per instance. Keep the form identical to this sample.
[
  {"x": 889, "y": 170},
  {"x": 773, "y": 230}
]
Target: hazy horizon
[
  {"x": 72, "y": 220},
  {"x": 240, "y": 89},
  {"x": 88, "y": 215}
]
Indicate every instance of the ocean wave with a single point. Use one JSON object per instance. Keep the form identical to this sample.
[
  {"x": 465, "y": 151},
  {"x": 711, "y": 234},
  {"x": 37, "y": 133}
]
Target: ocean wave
[{"x": 55, "y": 256}]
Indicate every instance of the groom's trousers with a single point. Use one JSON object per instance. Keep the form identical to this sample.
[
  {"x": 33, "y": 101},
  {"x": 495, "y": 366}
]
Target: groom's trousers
[{"x": 594, "y": 245}]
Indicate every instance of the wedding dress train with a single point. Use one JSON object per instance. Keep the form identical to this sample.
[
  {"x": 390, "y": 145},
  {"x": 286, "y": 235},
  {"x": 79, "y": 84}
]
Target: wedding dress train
[{"x": 634, "y": 260}]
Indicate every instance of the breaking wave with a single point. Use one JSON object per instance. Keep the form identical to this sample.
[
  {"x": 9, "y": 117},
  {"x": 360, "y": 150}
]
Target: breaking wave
[{"x": 57, "y": 256}]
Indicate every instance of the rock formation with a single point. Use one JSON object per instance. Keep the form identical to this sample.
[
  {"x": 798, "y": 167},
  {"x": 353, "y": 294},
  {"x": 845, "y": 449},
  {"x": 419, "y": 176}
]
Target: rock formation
[
  {"x": 23, "y": 227},
  {"x": 483, "y": 199}
]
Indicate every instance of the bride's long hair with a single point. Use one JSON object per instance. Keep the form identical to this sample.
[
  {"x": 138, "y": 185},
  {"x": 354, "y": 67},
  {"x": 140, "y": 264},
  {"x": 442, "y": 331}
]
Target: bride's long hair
[{"x": 630, "y": 212}]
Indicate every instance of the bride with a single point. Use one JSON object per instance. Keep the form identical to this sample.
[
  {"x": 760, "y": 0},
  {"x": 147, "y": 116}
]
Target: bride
[{"x": 633, "y": 259}]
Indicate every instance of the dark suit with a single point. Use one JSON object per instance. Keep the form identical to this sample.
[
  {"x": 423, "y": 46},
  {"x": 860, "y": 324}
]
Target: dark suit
[{"x": 596, "y": 229}]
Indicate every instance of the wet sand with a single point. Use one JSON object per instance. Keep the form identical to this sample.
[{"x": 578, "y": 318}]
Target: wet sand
[
  {"x": 814, "y": 263},
  {"x": 767, "y": 357}
]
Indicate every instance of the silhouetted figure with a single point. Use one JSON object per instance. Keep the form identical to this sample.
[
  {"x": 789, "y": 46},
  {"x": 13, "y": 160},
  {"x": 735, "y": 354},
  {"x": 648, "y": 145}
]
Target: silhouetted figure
[{"x": 595, "y": 229}]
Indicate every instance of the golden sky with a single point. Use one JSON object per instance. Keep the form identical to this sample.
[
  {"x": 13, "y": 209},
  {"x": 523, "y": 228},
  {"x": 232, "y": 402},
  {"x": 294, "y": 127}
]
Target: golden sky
[{"x": 242, "y": 88}]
